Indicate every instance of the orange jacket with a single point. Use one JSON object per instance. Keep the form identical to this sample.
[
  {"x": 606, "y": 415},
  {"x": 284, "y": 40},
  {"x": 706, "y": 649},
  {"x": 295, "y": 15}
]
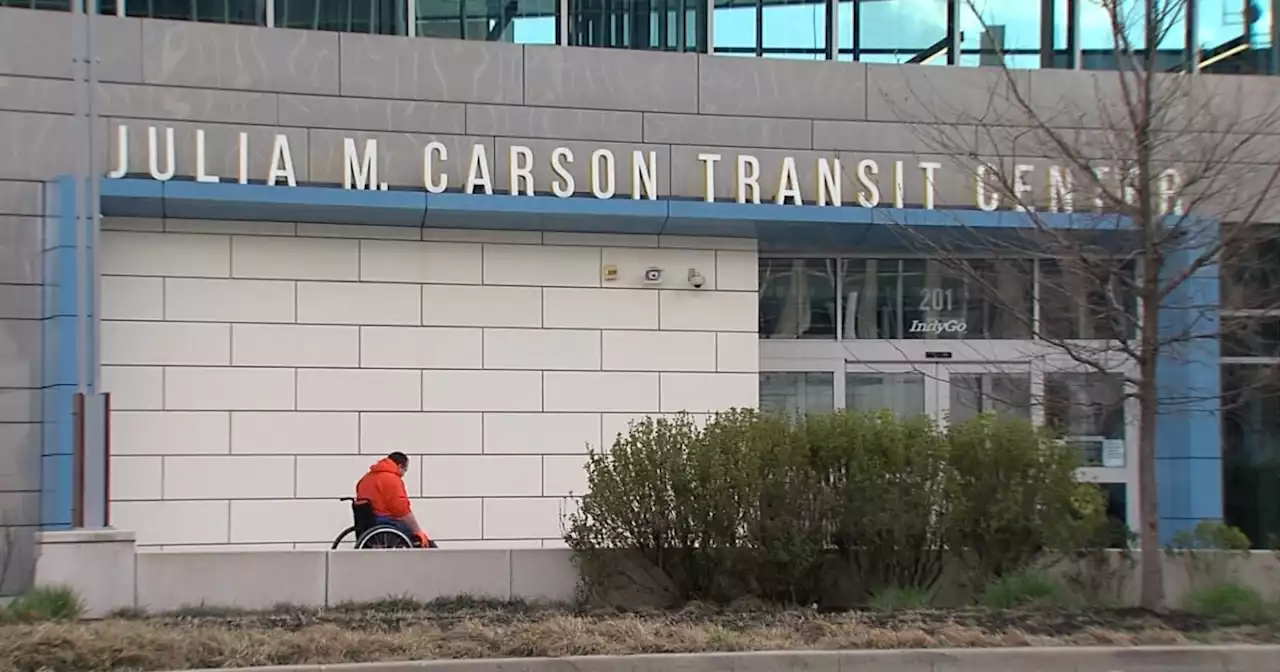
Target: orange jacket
[{"x": 384, "y": 489}]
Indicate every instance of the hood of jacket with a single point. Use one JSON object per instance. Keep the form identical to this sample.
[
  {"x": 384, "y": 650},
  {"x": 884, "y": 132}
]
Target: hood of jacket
[{"x": 385, "y": 466}]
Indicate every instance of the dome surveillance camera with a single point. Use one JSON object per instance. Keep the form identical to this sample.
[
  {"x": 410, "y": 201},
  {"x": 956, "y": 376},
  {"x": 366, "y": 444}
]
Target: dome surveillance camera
[{"x": 696, "y": 279}]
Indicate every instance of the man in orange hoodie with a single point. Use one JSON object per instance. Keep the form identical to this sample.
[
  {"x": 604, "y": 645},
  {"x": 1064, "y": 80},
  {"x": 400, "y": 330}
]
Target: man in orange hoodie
[{"x": 383, "y": 488}]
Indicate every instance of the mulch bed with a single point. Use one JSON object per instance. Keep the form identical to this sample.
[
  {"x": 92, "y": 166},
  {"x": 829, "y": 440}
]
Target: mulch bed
[{"x": 402, "y": 631}]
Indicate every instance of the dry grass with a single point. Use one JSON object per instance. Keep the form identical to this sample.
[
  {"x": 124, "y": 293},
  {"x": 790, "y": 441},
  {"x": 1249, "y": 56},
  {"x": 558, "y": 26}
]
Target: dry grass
[{"x": 404, "y": 632}]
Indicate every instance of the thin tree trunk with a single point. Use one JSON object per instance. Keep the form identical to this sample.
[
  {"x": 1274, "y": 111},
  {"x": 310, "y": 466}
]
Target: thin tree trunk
[{"x": 1152, "y": 596}]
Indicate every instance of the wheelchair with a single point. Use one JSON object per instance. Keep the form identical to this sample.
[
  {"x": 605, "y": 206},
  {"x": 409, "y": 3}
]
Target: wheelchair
[{"x": 369, "y": 533}]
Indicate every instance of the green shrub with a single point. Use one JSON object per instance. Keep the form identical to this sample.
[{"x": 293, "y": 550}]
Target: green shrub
[
  {"x": 794, "y": 510},
  {"x": 899, "y": 599},
  {"x": 46, "y": 603},
  {"x": 1230, "y": 603},
  {"x": 1209, "y": 552},
  {"x": 1026, "y": 589}
]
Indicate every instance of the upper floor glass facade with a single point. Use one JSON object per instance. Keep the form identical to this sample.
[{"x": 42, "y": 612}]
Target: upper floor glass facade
[{"x": 1219, "y": 36}]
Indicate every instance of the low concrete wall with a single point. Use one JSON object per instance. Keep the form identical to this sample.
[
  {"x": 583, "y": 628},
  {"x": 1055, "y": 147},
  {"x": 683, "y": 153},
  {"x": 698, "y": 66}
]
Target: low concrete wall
[
  {"x": 107, "y": 569},
  {"x": 1065, "y": 659}
]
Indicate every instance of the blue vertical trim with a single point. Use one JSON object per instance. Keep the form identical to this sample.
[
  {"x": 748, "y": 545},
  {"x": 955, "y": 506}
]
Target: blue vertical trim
[
  {"x": 58, "y": 333},
  {"x": 1188, "y": 428}
]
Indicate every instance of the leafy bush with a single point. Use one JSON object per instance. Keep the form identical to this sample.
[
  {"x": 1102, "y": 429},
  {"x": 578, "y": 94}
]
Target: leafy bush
[
  {"x": 783, "y": 509},
  {"x": 45, "y": 603},
  {"x": 1026, "y": 589},
  {"x": 1209, "y": 551},
  {"x": 899, "y": 599},
  {"x": 1230, "y": 603}
]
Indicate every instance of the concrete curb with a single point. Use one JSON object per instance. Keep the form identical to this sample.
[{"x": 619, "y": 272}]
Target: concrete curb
[{"x": 1243, "y": 658}]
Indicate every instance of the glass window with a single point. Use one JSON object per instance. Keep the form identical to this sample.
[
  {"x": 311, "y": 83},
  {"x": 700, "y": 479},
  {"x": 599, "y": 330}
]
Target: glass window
[
  {"x": 902, "y": 31},
  {"x": 990, "y": 28},
  {"x": 379, "y": 17},
  {"x": 1088, "y": 408},
  {"x": 518, "y": 21},
  {"x": 55, "y": 5},
  {"x": 794, "y": 29},
  {"x": 662, "y": 25},
  {"x": 1093, "y": 301},
  {"x": 1251, "y": 450},
  {"x": 925, "y": 299},
  {"x": 797, "y": 298},
  {"x": 797, "y": 393},
  {"x": 735, "y": 28},
  {"x": 902, "y": 393},
  {"x": 1003, "y": 394},
  {"x": 1251, "y": 269},
  {"x": 1228, "y": 34},
  {"x": 244, "y": 12},
  {"x": 1250, "y": 336}
]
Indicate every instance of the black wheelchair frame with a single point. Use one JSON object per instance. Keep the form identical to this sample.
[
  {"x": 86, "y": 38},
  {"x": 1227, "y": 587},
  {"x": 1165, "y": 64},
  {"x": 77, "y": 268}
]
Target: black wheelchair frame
[{"x": 369, "y": 533}]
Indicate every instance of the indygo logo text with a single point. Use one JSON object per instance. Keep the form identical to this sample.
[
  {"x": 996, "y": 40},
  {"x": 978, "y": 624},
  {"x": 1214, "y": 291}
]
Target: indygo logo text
[{"x": 938, "y": 326}]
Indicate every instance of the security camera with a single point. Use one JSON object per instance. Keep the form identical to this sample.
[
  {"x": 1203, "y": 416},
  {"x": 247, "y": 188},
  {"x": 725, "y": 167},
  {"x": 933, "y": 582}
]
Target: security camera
[
  {"x": 653, "y": 275},
  {"x": 696, "y": 279}
]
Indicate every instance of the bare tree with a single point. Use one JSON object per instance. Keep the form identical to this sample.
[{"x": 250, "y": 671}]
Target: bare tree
[{"x": 1158, "y": 177}]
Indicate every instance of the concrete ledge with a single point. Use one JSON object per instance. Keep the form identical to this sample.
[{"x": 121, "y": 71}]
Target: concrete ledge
[
  {"x": 1055, "y": 659},
  {"x": 262, "y": 580},
  {"x": 103, "y": 536},
  {"x": 99, "y": 564}
]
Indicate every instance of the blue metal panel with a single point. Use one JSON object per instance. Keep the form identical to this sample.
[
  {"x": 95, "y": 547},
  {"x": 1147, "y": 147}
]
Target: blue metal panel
[{"x": 58, "y": 332}]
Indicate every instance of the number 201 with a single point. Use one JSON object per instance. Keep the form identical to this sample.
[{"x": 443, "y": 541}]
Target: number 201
[{"x": 936, "y": 299}]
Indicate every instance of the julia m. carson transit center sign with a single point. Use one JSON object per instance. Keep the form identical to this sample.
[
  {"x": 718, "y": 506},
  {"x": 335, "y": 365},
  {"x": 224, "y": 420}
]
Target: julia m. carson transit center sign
[{"x": 873, "y": 185}]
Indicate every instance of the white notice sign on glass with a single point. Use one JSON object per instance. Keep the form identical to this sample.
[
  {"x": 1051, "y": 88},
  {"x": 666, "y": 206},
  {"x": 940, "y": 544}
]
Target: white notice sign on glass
[{"x": 1113, "y": 453}]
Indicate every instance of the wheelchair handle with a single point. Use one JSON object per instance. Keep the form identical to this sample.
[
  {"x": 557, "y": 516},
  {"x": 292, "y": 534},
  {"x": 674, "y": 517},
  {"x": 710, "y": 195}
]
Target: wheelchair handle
[{"x": 346, "y": 499}]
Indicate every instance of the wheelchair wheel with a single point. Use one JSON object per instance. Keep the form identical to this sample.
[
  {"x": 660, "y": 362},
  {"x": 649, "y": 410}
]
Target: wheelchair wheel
[
  {"x": 384, "y": 538},
  {"x": 337, "y": 541}
]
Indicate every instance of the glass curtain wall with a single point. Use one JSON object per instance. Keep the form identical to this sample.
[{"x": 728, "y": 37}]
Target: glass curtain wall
[{"x": 653, "y": 25}]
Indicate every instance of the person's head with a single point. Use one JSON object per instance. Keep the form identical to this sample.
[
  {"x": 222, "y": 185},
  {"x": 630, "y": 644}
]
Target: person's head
[{"x": 401, "y": 461}]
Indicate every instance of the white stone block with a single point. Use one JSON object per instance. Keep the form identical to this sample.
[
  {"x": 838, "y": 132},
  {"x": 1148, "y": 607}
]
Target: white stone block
[
  {"x": 288, "y": 433},
  {"x": 420, "y": 262},
  {"x": 175, "y": 254},
  {"x": 225, "y": 227},
  {"x": 709, "y": 311},
  {"x": 228, "y": 476},
  {"x": 201, "y": 300},
  {"x": 170, "y": 433},
  {"x": 168, "y": 522},
  {"x": 335, "y": 476},
  {"x": 295, "y": 345},
  {"x": 525, "y": 517},
  {"x": 421, "y": 433},
  {"x": 659, "y": 351},
  {"x": 359, "y": 231},
  {"x": 539, "y": 433},
  {"x": 541, "y": 265},
  {"x": 481, "y": 475},
  {"x": 359, "y": 303},
  {"x": 600, "y": 392},
  {"x": 709, "y": 392},
  {"x": 359, "y": 390},
  {"x": 738, "y": 352},
  {"x": 494, "y": 544},
  {"x": 126, "y": 297},
  {"x": 483, "y": 236},
  {"x": 600, "y": 239},
  {"x": 447, "y": 518},
  {"x": 477, "y": 306},
  {"x": 282, "y": 258},
  {"x": 165, "y": 343},
  {"x": 231, "y": 389},
  {"x": 737, "y": 271},
  {"x": 564, "y": 475},
  {"x": 707, "y": 243},
  {"x": 136, "y": 477},
  {"x": 267, "y": 521},
  {"x": 482, "y": 391},
  {"x": 542, "y": 349},
  {"x": 675, "y": 265},
  {"x": 567, "y": 308},
  {"x": 421, "y": 347},
  {"x": 134, "y": 387}
]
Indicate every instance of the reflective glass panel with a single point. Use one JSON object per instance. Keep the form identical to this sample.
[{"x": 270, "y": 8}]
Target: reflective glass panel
[
  {"x": 735, "y": 28},
  {"x": 379, "y": 17},
  {"x": 797, "y": 298},
  {"x": 1251, "y": 269},
  {"x": 1088, "y": 408},
  {"x": 1250, "y": 336},
  {"x": 901, "y": 393},
  {"x": 1087, "y": 303},
  {"x": 662, "y": 25},
  {"x": 244, "y": 12},
  {"x": 1251, "y": 450},
  {"x": 1003, "y": 394},
  {"x": 797, "y": 393},
  {"x": 55, "y": 5},
  {"x": 518, "y": 21},
  {"x": 902, "y": 31},
  {"x": 794, "y": 29},
  {"x": 989, "y": 28}
]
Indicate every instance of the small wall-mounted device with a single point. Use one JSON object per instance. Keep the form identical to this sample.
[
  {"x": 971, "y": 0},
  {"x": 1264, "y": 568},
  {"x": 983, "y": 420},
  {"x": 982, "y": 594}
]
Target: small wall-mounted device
[
  {"x": 653, "y": 275},
  {"x": 696, "y": 279},
  {"x": 609, "y": 273}
]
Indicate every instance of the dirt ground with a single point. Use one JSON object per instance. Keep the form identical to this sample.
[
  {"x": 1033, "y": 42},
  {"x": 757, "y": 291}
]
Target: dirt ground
[{"x": 392, "y": 631}]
